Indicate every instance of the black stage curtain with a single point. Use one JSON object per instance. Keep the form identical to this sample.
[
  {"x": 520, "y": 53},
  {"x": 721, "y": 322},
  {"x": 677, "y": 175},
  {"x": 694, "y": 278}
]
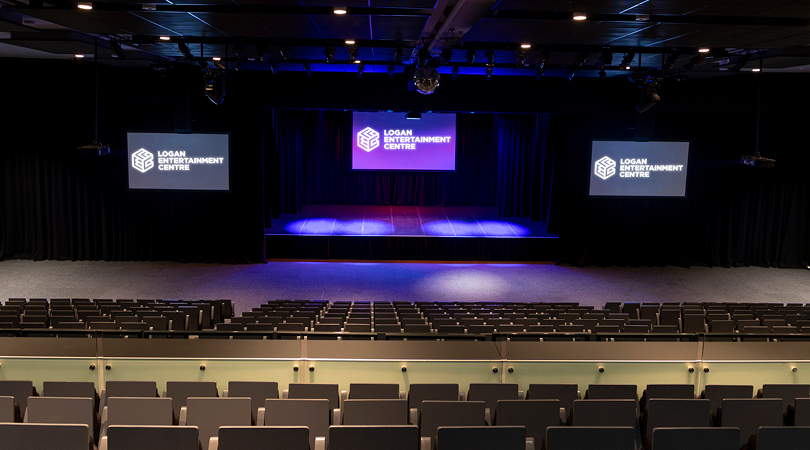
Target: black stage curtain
[
  {"x": 57, "y": 205},
  {"x": 310, "y": 155}
]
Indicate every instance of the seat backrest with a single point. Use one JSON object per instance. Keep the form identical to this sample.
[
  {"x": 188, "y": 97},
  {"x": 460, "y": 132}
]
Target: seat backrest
[
  {"x": 677, "y": 413},
  {"x": 696, "y": 438},
  {"x": 85, "y": 389},
  {"x": 802, "y": 412},
  {"x": 490, "y": 393},
  {"x": 208, "y": 414},
  {"x": 437, "y": 413},
  {"x": 74, "y": 410},
  {"x": 257, "y": 438},
  {"x": 604, "y": 413},
  {"x": 139, "y": 437},
  {"x": 314, "y": 414},
  {"x": 316, "y": 391},
  {"x": 257, "y": 391},
  {"x": 715, "y": 393},
  {"x": 612, "y": 392},
  {"x": 179, "y": 391},
  {"x": 417, "y": 393},
  {"x": 20, "y": 390},
  {"x": 535, "y": 415},
  {"x": 355, "y": 437},
  {"x": 373, "y": 390},
  {"x": 751, "y": 413},
  {"x": 684, "y": 391},
  {"x": 481, "y": 438},
  {"x": 139, "y": 411},
  {"x": 375, "y": 412},
  {"x": 130, "y": 389},
  {"x": 787, "y": 392},
  {"x": 565, "y": 393},
  {"x": 6, "y": 408},
  {"x": 35, "y": 436},
  {"x": 783, "y": 438},
  {"x": 590, "y": 438}
]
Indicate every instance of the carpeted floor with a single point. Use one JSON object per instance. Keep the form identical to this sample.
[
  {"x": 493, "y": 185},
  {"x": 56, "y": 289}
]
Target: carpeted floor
[{"x": 250, "y": 285}]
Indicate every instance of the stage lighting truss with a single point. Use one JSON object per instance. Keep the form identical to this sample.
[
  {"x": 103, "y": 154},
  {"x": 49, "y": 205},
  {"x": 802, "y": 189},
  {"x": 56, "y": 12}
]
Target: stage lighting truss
[{"x": 649, "y": 93}]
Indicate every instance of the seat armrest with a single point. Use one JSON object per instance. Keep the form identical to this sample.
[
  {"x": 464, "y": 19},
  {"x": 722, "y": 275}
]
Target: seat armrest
[
  {"x": 25, "y": 416},
  {"x": 103, "y": 427},
  {"x": 521, "y": 396},
  {"x": 260, "y": 416},
  {"x": 103, "y": 444},
  {"x": 343, "y": 396},
  {"x": 164, "y": 393},
  {"x": 285, "y": 393},
  {"x": 413, "y": 416},
  {"x": 336, "y": 417},
  {"x": 462, "y": 396},
  {"x": 213, "y": 443},
  {"x": 403, "y": 395},
  {"x": 224, "y": 392},
  {"x": 529, "y": 443},
  {"x": 320, "y": 443},
  {"x": 183, "y": 416},
  {"x": 563, "y": 416},
  {"x": 579, "y": 395},
  {"x": 102, "y": 400},
  {"x": 487, "y": 416},
  {"x": 424, "y": 443}
]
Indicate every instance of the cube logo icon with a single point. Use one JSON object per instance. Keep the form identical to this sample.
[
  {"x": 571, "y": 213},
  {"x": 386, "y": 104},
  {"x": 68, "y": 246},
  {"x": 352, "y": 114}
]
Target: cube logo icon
[
  {"x": 605, "y": 168},
  {"x": 143, "y": 160},
  {"x": 368, "y": 139}
]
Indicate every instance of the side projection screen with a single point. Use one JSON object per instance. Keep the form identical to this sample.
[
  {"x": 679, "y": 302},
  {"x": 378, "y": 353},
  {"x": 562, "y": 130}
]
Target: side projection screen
[
  {"x": 638, "y": 169},
  {"x": 178, "y": 161},
  {"x": 389, "y": 141}
]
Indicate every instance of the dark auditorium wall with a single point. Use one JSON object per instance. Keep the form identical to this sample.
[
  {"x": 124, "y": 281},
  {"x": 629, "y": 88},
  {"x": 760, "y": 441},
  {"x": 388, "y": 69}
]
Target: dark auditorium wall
[{"x": 56, "y": 205}]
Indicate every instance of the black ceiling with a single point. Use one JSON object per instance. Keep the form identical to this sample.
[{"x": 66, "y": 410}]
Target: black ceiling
[{"x": 777, "y": 31}]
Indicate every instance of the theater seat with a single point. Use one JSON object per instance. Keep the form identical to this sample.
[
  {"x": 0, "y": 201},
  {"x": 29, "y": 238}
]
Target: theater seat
[
  {"x": 565, "y": 393},
  {"x": 314, "y": 414},
  {"x": 695, "y": 439},
  {"x": 136, "y": 437},
  {"x": 257, "y": 391},
  {"x": 670, "y": 413},
  {"x": 750, "y": 414},
  {"x": 136, "y": 411},
  {"x": 781, "y": 438},
  {"x": 258, "y": 438},
  {"x": 179, "y": 391},
  {"x": 481, "y": 438},
  {"x": 375, "y": 412},
  {"x": 490, "y": 393},
  {"x": 419, "y": 392},
  {"x": 30, "y": 436},
  {"x": 590, "y": 438},
  {"x": 208, "y": 414},
  {"x": 535, "y": 415},
  {"x": 403, "y": 437},
  {"x": 437, "y": 414}
]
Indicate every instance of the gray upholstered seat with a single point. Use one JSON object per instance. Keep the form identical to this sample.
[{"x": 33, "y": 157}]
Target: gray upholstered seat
[
  {"x": 695, "y": 438},
  {"x": 314, "y": 414},
  {"x": 375, "y": 412},
  {"x": 139, "y": 437},
  {"x": 257, "y": 391},
  {"x": 391, "y": 437},
  {"x": 534, "y": 415},
  {"x": 257, "y": 438},
  {"x": 179, "y": 391},
  {"x": 750, "y": 414},
  {"x": 590, "y": 438},
  {"x": 481, "y": 438},
  {"x": 208, "y": 414},
  {"x": 30, "y": 436}
]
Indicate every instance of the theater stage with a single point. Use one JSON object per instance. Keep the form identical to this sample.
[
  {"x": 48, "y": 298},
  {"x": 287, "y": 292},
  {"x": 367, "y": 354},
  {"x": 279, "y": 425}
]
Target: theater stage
[{"x": 430, "y": 233}]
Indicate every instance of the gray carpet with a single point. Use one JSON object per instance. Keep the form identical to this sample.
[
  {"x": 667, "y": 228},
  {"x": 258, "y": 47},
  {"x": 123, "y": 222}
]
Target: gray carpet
[{"x": 250, "y": 285}]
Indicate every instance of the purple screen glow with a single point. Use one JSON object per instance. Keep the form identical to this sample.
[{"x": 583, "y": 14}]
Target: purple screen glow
[{"x": 389, "y": 141}]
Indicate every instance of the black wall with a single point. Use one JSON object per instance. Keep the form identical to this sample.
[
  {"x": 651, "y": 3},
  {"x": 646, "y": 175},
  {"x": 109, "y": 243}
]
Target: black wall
[{"x": 57, "y": 206}]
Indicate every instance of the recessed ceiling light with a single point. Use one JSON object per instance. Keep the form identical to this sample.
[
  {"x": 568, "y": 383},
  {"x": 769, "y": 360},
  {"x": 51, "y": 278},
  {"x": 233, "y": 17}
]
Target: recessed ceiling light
[
  {"x": 756, "y": 70},
  {"x": 627, "y": 68},
  {"x": 704, "y": 50},
  {"x": 357, "y": 61},
  {"x": 350, "y": 42},
  {"x": 78, "y": 56},
  {"x": 580, "y": 16},
  {"x": 165, "y": 38},
  {"x": 217, "y": 58},
  {"x": 525, "y": 45},
  {"x": 85, "y": 6},
  {"x": 340, "y": 10}
]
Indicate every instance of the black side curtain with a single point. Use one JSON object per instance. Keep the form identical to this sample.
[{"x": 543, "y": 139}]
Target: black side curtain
[{"x": 501, "y": 160}]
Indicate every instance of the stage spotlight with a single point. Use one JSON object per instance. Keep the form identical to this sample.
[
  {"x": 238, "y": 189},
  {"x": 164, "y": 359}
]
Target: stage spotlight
[
  {"x": 627, "y": 60},
  {"x": 447, "y": 55},
  {"x": 604, "y": 60},
  {"x": 696, "y": 60},
  {"x": 577, "y": 64},
  {"x": 455, "y": 72},
  {"x": 284, "y": 52},
  {"x": 671, "y": 60},
  {"x": 273, "y": 68},
  {"x": 649, "y": 95},
  {"x": 391, "y": 71},
  {"x": 353, "y": 53},
  {"x": 240, "y": 52},
  {"x": 522, "y": 58},
  {"x": 741, "y": 62},
  {"x": 540, "y": 72},
  {"x": 329, "y": 51},
  {"x": 214, "y": 86},
  {"x": 116, "y": 48},
  {"x": 542, "y": 59},
  {"x": 185, "y": 51},
  {"x": 360, "y": 69},
  {"x": 308, "y": 69},
  {"x": 490, "y": 57},
  {"x": 413, "y": 115},
  {"x": 470, "y": 56},
  {"x": 398, "y": 55},
  {"x": 602, "y": 73},
  {"x": 489, "y": 73}
]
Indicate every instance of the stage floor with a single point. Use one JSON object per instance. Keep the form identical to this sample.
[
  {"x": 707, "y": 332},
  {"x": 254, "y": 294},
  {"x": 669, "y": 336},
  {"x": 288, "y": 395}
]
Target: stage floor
[{"x": 354, "y": 220}]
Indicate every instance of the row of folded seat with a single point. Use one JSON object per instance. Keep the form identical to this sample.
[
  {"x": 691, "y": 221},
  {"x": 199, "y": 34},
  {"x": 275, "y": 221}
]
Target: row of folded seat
[
  {"x": 428, "y": 406},
  {"x": 108, "y": 314}
]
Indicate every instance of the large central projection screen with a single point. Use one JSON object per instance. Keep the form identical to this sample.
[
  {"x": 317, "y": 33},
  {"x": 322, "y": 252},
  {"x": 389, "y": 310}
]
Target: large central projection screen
[
  {"x": 389, "y": 141},
  {"x": 638, "y": 169}
]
